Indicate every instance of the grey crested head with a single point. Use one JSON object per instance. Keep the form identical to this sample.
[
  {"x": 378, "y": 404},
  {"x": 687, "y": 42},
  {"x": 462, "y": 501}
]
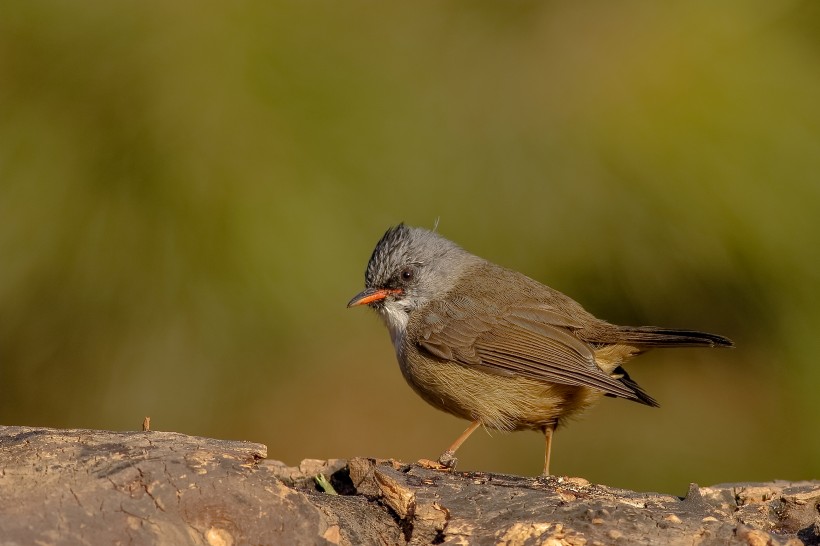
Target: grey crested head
[{"x": 409, "y": 268}]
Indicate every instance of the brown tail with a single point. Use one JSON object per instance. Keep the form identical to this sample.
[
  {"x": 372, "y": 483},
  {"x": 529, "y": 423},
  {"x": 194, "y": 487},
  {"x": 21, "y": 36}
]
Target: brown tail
[{"x": 652, "y": 336}]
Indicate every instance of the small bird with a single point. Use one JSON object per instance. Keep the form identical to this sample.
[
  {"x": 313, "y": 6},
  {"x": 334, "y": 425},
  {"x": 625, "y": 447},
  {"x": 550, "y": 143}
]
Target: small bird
[{"x": 496, "y": 347}]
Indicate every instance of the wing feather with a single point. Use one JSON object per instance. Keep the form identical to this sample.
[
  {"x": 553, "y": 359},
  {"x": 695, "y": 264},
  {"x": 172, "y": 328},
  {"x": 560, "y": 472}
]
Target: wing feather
[{"x": 531, "y": 341}]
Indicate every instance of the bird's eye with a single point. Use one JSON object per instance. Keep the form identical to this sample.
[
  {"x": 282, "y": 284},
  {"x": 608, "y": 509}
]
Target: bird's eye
[{"x": 407, "y": 274}]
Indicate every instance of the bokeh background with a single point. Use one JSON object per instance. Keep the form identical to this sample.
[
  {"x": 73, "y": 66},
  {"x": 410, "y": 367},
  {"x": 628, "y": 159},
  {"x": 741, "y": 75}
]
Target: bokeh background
[{"x": 189, "y": 194}]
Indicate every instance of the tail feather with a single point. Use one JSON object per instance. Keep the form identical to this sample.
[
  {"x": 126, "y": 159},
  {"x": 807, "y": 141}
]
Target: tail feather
[
  {"x": 652, "y": 336},
  {"x": 641, "y": 396}
]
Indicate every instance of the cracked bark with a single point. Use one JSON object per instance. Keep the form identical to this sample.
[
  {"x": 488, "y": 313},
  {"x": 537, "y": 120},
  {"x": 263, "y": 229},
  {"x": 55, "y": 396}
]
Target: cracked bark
[{"x": 98, "y": 487}]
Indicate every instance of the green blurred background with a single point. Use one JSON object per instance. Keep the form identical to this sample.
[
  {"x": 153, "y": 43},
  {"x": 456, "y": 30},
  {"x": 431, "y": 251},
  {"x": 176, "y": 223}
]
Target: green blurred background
[{"x": 189, "y": 195}]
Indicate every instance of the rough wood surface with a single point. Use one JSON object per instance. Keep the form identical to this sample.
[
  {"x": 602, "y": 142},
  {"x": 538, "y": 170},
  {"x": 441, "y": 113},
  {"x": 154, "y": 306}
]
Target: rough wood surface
[{"x": 98, "y": 487}]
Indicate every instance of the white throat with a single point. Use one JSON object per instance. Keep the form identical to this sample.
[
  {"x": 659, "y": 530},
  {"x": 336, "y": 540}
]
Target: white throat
[{"x": 395, "y": 318}]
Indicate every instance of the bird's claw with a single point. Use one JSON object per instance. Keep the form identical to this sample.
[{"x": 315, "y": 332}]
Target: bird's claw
[{"x": 448, "y": 459}]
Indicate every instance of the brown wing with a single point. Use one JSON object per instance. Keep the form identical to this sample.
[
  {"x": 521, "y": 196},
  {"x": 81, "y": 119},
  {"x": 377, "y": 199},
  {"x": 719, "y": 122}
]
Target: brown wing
[{"x": 529, "y": 341}]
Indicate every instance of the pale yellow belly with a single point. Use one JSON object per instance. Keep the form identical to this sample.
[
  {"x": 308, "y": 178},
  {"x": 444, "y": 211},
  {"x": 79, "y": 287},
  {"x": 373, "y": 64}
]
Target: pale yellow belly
[{"x": 499, "y": 402}]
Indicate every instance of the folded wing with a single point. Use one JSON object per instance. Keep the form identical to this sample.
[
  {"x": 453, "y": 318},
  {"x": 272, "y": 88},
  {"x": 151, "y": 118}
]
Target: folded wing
[{"x": 528, "y": 341}]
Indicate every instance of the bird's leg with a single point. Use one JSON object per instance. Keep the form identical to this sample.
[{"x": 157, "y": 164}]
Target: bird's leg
[
  {"x": 447, "y": 459},
  {"x": 548, "y": 430}
]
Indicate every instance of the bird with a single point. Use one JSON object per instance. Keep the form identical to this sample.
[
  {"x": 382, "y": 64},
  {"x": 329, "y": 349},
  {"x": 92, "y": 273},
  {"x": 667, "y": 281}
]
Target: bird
[{"x": 495, "y": 347}]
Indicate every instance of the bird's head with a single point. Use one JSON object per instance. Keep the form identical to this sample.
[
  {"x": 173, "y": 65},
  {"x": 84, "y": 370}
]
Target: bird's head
[{"x": 409, "y": 268}]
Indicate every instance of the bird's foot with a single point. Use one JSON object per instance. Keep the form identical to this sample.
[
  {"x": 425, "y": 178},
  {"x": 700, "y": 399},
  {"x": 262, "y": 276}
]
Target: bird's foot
[{"x": 447, "y": 461}]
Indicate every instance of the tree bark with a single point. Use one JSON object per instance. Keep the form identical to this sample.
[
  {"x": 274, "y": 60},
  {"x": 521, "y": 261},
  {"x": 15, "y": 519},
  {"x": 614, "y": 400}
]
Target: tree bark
[{"x": 99, "y": 487}]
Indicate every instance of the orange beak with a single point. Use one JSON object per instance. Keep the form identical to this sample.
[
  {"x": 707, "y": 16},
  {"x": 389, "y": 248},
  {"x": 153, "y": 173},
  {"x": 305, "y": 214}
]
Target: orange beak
[{"x": 371, "y": 295}]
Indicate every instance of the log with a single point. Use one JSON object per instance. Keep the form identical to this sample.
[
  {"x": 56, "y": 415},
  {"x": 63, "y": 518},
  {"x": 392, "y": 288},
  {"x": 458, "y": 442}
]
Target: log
[{"x": 150, "y": 487}]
